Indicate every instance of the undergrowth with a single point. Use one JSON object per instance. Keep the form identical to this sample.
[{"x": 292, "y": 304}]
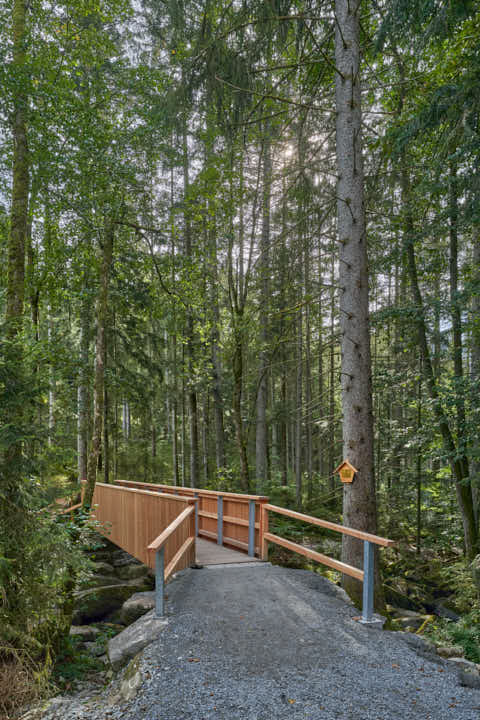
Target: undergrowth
[{"x": 465, "y": 633}]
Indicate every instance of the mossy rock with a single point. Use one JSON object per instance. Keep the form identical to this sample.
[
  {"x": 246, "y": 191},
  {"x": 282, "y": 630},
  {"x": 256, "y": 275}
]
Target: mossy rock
[
  {"x": 130, "y": 572},
  {"x": 98, "y": 602}
]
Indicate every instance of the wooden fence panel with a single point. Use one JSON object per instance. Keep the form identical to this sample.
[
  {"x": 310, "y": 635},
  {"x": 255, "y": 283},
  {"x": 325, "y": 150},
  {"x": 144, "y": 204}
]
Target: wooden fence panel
[{"x": 133, "y": 518}]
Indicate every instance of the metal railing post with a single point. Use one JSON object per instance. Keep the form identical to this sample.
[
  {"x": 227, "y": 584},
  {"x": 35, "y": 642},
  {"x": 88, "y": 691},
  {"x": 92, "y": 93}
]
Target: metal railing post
[
  {"x": 196, "y": 513},
  {"x": 368, "y": 581},
  {"x": 251, "y": 528},
  {"x": 160, "y": 582},
  {"x": 220, "y": 520}
]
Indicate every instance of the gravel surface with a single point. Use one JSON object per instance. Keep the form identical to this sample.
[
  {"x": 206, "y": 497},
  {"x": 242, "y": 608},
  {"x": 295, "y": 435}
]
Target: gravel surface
[{"x": 265, "y": 642}]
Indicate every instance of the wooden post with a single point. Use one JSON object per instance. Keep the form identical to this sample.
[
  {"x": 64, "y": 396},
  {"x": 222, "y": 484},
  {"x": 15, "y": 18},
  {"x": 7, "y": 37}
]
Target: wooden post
[
  {"x": 263, "y": 530},
  {"x": 220, "y": 520}
]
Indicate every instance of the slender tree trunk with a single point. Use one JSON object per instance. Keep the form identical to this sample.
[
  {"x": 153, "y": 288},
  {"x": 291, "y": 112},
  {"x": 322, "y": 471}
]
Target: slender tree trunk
[
  {"x": 475, "y": 369},
  {"x": 299, "y": 410},
  {"x": 100, "y": 357},
  {"x": 359, "y": 501},
  {"x": 261, "y": 432},
  {"x": 83, "y": 382},
  {"x": 331, "y": 388},
  {"x": 457, "y": 462}
]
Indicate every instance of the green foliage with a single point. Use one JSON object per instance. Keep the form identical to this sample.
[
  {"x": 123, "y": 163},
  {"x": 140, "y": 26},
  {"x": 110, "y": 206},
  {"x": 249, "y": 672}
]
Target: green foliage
[{"x": 465, "y": 632}]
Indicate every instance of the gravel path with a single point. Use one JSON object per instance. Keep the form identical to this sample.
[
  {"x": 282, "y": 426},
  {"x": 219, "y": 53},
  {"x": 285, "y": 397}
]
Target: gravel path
[{"x": 267, "y": 643}]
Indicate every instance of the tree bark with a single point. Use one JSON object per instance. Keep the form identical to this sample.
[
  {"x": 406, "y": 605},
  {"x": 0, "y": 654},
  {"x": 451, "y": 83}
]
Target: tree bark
[
  {"x": 17, "y": 239},
  {"x": 359, "y": 501},
  {"x": 261, "y": 429},
  {"x": 457, "y": 462},
  {"x": 475, "y": 367},
  {"x": 100, "y": 357},
  {"x": 83, "y": 383}
]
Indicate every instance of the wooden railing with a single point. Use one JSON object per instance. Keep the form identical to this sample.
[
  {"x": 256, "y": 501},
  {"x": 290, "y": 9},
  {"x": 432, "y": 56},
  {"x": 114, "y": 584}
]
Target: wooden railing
[
  {"x": 367, "y": 575},
  {"x": 133, "y": 518},
  {"x": 186, "y": 524},
  {"x": 227, "y": 518}
]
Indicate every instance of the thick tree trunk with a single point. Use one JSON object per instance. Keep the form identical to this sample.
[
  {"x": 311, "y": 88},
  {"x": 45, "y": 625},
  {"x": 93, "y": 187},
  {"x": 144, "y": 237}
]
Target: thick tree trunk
[
  {"x": 100, "y": 357},
  {"x": 192, "y": 391},
  {"x": 359, "y": 502},
  {"x": 16, "y": 250}
]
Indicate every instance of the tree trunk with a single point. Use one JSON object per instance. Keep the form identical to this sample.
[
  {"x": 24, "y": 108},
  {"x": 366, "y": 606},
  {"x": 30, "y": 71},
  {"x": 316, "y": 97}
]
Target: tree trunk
[
  {"x": 100, "y": 357},
  {"x": 261, "y": 430},
  {"x": 83, "y": 382},
  {"x": 457, "y": 463},
  {"x": 192, "y": 392},
  {"x": 475, "y": 368},
  {"x": 16, "y": 251},
  {"x": 359, "y": 501}
]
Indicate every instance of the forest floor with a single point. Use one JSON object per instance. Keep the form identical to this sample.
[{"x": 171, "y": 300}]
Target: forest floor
[{"x": 265, "y": 642}]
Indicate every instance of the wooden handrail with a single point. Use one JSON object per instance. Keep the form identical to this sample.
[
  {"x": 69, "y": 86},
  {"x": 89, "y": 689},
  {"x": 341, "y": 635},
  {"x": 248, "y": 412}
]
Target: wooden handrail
[
  {"x": 160, "y": 541},
  {"x": 199, "y": 491},
  {"x": 167, "y": 496},
  {"x": 375, "y": 539},
  {"x": 318, "y": 557}
]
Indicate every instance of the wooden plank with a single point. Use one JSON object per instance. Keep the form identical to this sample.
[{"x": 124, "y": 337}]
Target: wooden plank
[
  {"x": 165, "y": 496},
  {"x": 178, "y": 556},
  {"x": 332, "y": 526},
  {"x": 318, "y": 557},
  {"x": 163, "y": 537},
  {"x": 227, "y": 519},
  {"x": 190, "y": 491}
]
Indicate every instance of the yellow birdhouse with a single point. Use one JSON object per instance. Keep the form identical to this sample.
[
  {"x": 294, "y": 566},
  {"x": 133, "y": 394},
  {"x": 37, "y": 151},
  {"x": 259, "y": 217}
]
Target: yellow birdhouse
[{"x": 346, "y": 471}]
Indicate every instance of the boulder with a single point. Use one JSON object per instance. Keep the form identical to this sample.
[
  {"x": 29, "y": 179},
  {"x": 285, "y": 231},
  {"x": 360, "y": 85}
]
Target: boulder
[
  {"x": 469, "y": 679},
  {"x": 98, "y": 602},
  {"x": 463, "y": 664},
  {"x": 423, "y": 646},
  {"x": 129, "y": 684},
  {"x": 95, "y": 649},
  {"x": 103, "y": 568},
  {"x": 131, "y": 571},
  {"x": 122, "y": 558},
  {"x": 135, "y": 638},
  {"x": 85, "y": 633},
  {"x": 136, "y": 606},
  {"x": 101, "y": 581},
  {"x": 454, "y": 651}
]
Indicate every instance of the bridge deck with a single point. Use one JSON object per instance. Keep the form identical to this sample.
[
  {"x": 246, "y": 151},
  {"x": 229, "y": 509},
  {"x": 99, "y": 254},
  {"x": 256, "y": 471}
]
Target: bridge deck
[{"x": 209, "y": 553}]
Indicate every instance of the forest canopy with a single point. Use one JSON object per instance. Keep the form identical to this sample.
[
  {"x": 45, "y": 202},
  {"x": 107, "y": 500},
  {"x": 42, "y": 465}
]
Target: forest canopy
[{"x": 239, "y": 242}]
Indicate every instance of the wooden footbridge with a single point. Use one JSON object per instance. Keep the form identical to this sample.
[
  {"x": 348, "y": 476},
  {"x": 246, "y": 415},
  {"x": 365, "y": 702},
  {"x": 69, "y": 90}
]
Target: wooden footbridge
[{"x": 172, "y": 528}]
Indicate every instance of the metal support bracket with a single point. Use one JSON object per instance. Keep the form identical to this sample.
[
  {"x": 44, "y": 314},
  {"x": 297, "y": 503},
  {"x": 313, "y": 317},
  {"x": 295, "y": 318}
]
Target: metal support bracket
[
  {"x": 160, "y": 582},
  {"x": 368, "y": 581}
]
